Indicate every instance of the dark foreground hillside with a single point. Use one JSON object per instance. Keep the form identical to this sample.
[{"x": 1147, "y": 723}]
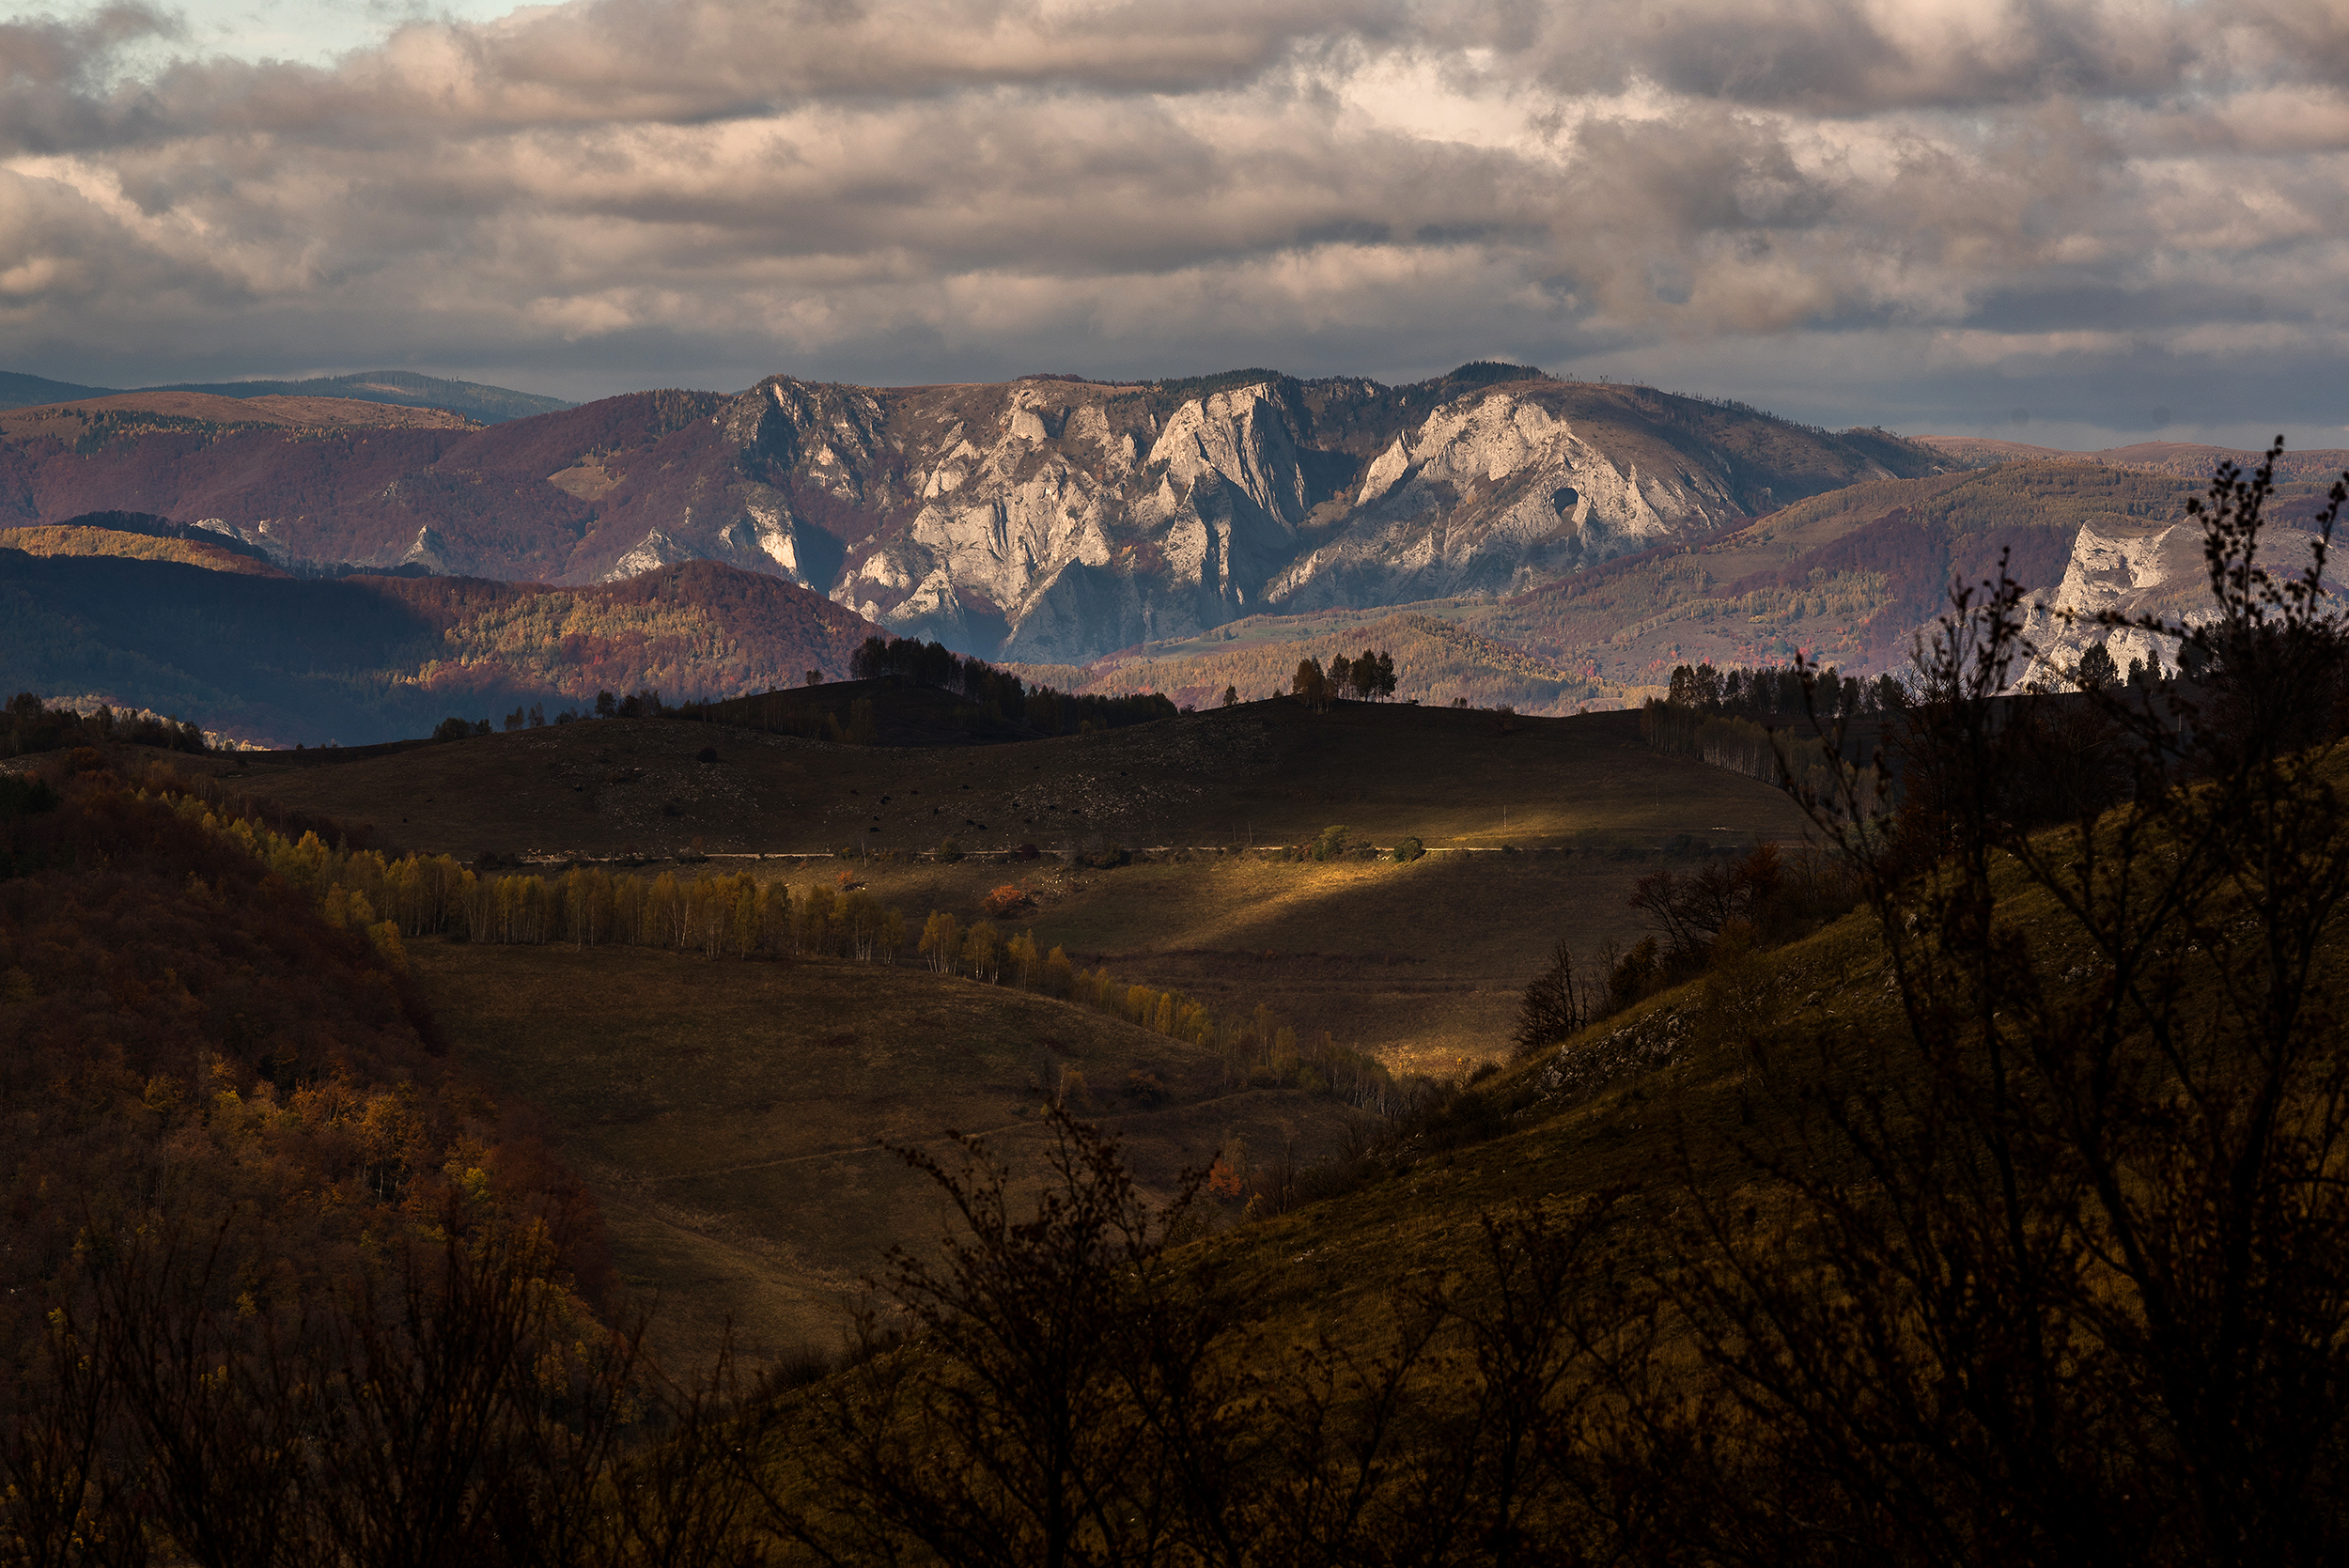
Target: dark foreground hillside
[{"x": 248, "y": 1194}]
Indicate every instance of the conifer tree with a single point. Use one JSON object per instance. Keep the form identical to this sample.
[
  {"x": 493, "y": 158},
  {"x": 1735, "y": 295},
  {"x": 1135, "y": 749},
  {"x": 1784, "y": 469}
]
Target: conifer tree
[{"x": 2097, "y": 671}]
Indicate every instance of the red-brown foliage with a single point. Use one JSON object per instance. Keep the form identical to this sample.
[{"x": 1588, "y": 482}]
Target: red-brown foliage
[{"x": 188, "y": 1045}]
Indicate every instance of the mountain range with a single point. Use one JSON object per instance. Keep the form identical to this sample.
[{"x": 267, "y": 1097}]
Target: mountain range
[
  {"x": 1047, "y": 519},
  {"x": 1508, "y": 536}
]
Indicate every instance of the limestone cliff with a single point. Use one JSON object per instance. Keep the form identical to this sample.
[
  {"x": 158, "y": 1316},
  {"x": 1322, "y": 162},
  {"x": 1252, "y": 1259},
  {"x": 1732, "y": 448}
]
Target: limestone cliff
[
  {"x": 1054, "y": 520},
  {"x": 1046, "y": 520},
  {"x": 2151, "y": 569}
]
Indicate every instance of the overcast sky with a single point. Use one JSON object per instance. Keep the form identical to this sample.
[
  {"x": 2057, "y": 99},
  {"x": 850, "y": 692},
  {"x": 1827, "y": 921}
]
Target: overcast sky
[{"x": 2075, "y": 224}]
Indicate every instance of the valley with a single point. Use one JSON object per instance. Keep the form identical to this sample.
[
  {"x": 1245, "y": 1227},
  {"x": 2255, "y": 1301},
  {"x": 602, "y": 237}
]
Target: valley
[
  {"x": 1532, "y": 835},
  {"x": 724, "y": 1114},
  {"x": 730, "y": 1117}
]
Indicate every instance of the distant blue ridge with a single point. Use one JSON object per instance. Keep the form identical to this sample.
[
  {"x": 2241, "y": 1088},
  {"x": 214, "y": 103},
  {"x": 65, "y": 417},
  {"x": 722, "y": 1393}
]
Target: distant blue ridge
[{"x": 401, "y": 388}]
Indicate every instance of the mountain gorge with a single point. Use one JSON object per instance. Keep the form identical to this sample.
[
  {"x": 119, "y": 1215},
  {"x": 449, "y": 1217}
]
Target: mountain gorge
[{"x": 1048, "y": 520}]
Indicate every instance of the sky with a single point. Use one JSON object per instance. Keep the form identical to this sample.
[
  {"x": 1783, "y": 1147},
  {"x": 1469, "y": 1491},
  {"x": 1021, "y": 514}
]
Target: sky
[{"x": 2075, "y": 222}]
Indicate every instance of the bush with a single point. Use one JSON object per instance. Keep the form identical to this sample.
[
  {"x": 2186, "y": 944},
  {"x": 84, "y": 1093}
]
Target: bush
[
  {"x": 1106, "y": 857},
  {"x": 1409, "y": 851},
  {"x": 21, "y": 795},
  {"x": 949, "y": 852}
]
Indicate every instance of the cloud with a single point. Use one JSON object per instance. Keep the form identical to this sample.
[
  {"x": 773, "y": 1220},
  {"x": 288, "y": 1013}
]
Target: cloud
[
  {"x": 1840, "y": 58},
  {"x": 596, "y": 196}
]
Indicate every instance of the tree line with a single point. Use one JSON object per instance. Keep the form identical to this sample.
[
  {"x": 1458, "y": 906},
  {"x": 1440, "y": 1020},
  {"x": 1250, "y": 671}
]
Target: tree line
[
  {"x": 1783, "y": 693},
  {"x": 1781, "y": 756},
  {"x": 1367, "y": 679},
  {"x": 33, "y": 727},
  {"x": 998, "y": 695},
  {"x": 389, "y": 898}
]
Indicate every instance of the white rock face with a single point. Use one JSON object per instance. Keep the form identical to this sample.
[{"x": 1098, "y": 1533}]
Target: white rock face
[
  {"x": 426, "y": 552},
  {"x": 2123, "y": 571},
  {"x": 656, "y": 548},
  {"x": 1057, "y": 521},
  {"x": 1543, "y": 501},
  {"x": 1240, "y": 440}
]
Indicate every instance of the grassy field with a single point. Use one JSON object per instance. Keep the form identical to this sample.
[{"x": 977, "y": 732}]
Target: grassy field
[
  {"x": 729, "y": 1117},
  {"x": 1267, "y": 773},
  {"x": 1422, "y": 965}
]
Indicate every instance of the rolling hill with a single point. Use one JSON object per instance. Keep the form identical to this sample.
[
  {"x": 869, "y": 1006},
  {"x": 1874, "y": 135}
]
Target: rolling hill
[
  {"x": 1533, "y": 833},
  {"x": 400, "y": 388},
  {"x": 1261, "y": 774},
  {"x": 2180, "y": 460},
  {"x": 491, "y": 405},
  {"x": 729, "y": 1117},
  {"x": 358, "y": 660}
]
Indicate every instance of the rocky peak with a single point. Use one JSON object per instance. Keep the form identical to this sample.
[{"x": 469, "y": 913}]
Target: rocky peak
[{"x": 1056, "y": 519}]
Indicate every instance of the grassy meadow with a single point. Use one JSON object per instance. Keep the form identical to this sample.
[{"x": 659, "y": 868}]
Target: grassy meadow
[
  {"x": 1421, "y": 965},
  {"x": 730, "y": 1116}
]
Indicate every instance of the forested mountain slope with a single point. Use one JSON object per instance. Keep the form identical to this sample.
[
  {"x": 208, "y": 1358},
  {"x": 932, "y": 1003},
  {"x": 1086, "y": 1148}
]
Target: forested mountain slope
[{"x": 365, "y": 659}]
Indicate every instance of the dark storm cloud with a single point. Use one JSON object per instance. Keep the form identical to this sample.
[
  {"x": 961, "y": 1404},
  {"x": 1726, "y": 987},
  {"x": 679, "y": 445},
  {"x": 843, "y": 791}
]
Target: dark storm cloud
[{"x": 1876, "y": 198}]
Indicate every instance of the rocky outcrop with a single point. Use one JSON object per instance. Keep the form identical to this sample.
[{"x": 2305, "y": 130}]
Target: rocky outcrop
[
  {"x": 1498, "y": 492},
  {"x": 2118, "y": 569},
  {"x": 1052, "y": 521},
  {"x": 426, "y": 552},
  {"x": 654, "y": 549}
]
